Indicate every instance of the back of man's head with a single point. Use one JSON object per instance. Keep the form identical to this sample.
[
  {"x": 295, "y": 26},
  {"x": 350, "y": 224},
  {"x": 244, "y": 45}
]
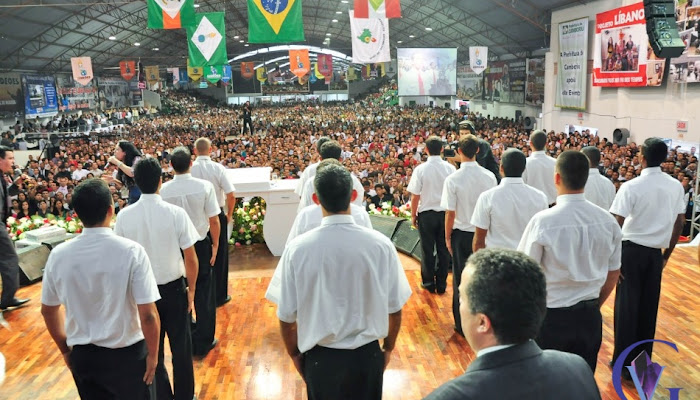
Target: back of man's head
[
  {"x": 331, "y": 149},
  {"x": 333, "y": 186},
  {"x": 517, "y": 316},
  {"x": 654, "y": 151},
  {"x": 593, "y": 155},
  {"x": 202, "y": 146},
  {"x": 92, "y": 201},
  {"x": 538, "y": 139},
  {"x": 434, "y": 145},
  {"x": 180, "y": 159},
  {"x": 147, "y": 174},
  {"x": 469, "y": 144},
  {"x": 573, "y": 168},
  {"x": 513, "y": 163},
  {"x": 320, "y": 142}
]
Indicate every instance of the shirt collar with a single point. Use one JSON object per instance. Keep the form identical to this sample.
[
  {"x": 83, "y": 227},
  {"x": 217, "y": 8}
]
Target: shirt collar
[
  {"x": 97, "y": 231},
  {"x": 542, "y": 152},
  {"x": 183, "y": 176},
  {"x": 150, "y": 197},
  {"x": 470, "y": 164},
  {"x": 493, "y": 349},
  {"x": 570, "y": 198},
  {"x": 434, "y": 158},
  {"x": 203, "y": 158},
  {"x": 512, "y": 181},
  {"x": 337, "y": 219},
  {"x": 593, "y": 171},
  {"x": 651, "y": 170}
]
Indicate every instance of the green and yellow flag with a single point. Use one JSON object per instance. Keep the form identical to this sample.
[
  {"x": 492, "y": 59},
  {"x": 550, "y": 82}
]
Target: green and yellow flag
[
  {"x": 277, "y": 21},
  {"x": 170, "y": 14},
  {"x": 214, "y": 73}
]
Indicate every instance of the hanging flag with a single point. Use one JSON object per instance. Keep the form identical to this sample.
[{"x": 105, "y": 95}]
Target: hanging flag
[
  {"x": 272, "y": 21},
  {"x": 176, "y": 74},
  {"x": 170, "y": 14},
  {"x": 152, "y": 74},
  {"x": 207, "y": 40},
  {"x": 261, "y": 75},
  {"x": 128, "y": 69},
  {"x": 377, "y": 9},
  {"x": 203, "y": 84},
  {"x": 313, "y": 78},
  {"x": 370, "y": 39},
  {"x": 318, "y": 73},
  {"x": 478, "y": 58},
  {"x": 141, "y": 75},
  {"x": 299, "y": 62},
  {"x": 247, "y": 69},
  {"x": 325, "y": 64},
  {"x": 226, "y": 76},
  {"x": 194, "y": 72},
  {"x": 352, "y": 74},
  {"x": 365, "y": 72},
  {"x": 82, "y": 69},
  {"x": 303, "y": 80},
  {"x": 183, "y": 76},
  {"x": 213, "y": 73}
]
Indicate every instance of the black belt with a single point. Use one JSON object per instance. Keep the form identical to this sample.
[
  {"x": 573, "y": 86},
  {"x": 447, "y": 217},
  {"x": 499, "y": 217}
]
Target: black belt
[
  {"x": 174, "y": 284},
  {"x": 579, "y": 306},
  {"x": 627, "y": 243}
]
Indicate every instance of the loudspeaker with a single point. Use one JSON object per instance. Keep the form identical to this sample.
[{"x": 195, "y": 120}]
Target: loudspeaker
[
  {"x": 385, "y": 225},
  {"x": 405, "y": 238},
  {"x": 662, "y": 29},
  {"x": 447, "y": 105},
  {"x": 529, "y": 123},
  {"x": 32, "y": 260},
  {"x": 620, "y": 136},
  {"x": 518, "y": 115}
]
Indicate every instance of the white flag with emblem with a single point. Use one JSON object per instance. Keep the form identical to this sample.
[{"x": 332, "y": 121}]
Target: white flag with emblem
[{"x": 478, "y": 58}]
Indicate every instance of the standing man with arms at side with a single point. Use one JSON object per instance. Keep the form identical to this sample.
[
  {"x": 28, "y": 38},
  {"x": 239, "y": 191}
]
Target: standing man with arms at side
[
  {"x": 599, "y": 189},
  {"x": 651, "y": 211},
  {"x": 109, "y": 338},
  {"x": 247, "y": 117},
  {"x": 342, "y": 290},
  {"x": 9, "y": 262},
  {"x": 429, "y": 217},
  {"x": 459, "y": 195},
  {"x": 540, "y": 167},
  {"x": 198, "y": 199},
  {"x": 502, "y": 213},
  {"x": 578, "y": 245},
  {"x": 163, "y": 230},
  {"x": 215, "y": 173}
]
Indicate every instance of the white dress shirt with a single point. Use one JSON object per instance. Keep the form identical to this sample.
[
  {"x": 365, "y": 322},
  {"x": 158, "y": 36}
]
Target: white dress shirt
[
  {"x": 163, "y": 230},
  {"x": 100, "y": 278},
  {"x": 215, "y": 173},
  {"x": 427, "y": 182},
  {"x": 505, "y": 210},
  {"x": 577, "y": 243},
  {"x": 310, "y": 217},
  {"x": 308, "y": 173},
  {"x": 309, "y": 190},
  {"x": 650, "y": 205},
  {"x": 196, "y": 196},
  {"x": 539, "y": 173},
  {"x": 461, "y": 191},
  {"x": 599, "y": 189},
  {"x": 339, "y": 283}
]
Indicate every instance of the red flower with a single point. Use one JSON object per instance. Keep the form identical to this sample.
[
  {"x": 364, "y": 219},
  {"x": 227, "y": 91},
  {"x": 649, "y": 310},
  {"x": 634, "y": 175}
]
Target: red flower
[
  {"x": 69, "y": 219},
  {"x": 19, "y": 232},
  {"x": 46, "y": 220}
]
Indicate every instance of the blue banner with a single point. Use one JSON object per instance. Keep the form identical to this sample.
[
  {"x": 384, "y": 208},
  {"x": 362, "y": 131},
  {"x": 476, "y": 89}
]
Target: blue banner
[
  {"x": 40, "y": 98},
  {"x": 226, "y": 76},
  {"x": 183, "y": 76}
]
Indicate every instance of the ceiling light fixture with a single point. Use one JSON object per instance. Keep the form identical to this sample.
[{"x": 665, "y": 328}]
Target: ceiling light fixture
[
  {"x": 112, "y": 38},
  {"x": 137, "y": 44},
  {"x": 344, "y": 1},
  {"x": 335, "y": 20},
  {"x": 338, "y": 12},
  {"x": 246, "y": 45},
  {"x": 155, "y": 49},
  {"x": 411, "y": 36},
  {"x": 241, "y": 41},
  {"x": 236, "y": 37},
  {"x": 196, "y": 6},
  {"x": 400, "y": 41},
  {"x": 328, "y": 34},
  {"x": 428, "y": 29}
]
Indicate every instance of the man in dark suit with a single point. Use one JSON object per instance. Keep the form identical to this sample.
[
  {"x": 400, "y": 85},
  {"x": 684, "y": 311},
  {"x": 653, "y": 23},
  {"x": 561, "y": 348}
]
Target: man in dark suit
[
  {"x": 485, "y": 156},
  {"x": 501, "y": 329}
]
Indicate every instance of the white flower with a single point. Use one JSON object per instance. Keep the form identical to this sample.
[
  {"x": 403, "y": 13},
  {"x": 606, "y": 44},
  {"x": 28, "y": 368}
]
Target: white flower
[
  {"x": 372, "y": 207},
  {"x": 11, "y": 221}
]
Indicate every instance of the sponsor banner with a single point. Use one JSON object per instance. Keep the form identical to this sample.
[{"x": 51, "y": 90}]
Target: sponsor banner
[
  {"x": 534, "y": 86},
  {"x": 573, "y": 63},
  {"x": 82, "y": 69},
  {"x": 11, "y": 100},
  {"x": 299, "y": 62},
  {"x": 478, "y": 58},
  {"x": 40, "y": 98},
  {"x": 74, "y": 96}
]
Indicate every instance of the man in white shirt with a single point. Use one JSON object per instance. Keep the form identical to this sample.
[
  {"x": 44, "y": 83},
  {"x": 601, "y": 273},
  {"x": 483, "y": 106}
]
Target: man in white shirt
[
  {"x": 578, "y": 245},
  {"x": 310, "y": 171},
  {"x": 198, "y": 198},
  {"x": 331, "y": 333},
  {"x": 599, "y": 189},
  {"x": 428, "y": 216},
  {"x": 215, "y": 173},
  {"x": 651, "y": 211},
  {"x": 540, "y": 167},
  {"x": 109, "y": 338},
  {"x": 164, "y": 230},
  {"x": 502, "y": 213},
  {"x": 459, "y": 195}
]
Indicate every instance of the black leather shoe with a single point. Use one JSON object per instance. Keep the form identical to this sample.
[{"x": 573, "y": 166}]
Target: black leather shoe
[
  {"x": 428, "y": 286},
  {"x": 226, "y": 300},
  {"x": 14, "y": 303},
  {"x": 441, "y": 291},
  {"x": 202, "y": 354}
]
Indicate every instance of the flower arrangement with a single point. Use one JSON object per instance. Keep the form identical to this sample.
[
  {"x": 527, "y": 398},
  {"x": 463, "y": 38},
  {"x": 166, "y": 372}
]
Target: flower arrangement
[
  {"x": 248, "y": 221},
  {"x": 17, "y": 228},
  {"x": 390, "y": 210}
]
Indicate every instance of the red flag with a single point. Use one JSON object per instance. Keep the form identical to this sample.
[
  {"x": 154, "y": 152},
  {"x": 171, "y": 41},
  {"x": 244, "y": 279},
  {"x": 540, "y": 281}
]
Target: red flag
[
  {"x": 377, "y": 9},
  {"x": 325, "y": 64},
  {"x": 128, "y": 69},
  {"x": 247, "y": 70}
]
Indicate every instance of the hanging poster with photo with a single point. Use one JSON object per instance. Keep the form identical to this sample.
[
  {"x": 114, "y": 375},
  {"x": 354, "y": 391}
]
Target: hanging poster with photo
[
  {"x": 11, "y": 100},
  {"x": 40, "y": 99},
  {"x": 468, "y": 83},
  {"x": 534, "y": 91},
  {"x": 73, "y": 96},
  {"x": 686, "y": 68}
]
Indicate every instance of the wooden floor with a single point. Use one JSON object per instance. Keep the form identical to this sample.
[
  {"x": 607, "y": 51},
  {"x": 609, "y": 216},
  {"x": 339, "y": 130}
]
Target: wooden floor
[{"x": 250, "y": 361}]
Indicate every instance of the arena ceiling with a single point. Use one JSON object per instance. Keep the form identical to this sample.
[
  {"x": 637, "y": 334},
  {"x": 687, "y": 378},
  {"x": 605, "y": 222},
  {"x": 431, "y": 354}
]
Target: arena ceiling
[{"x": 42, "y": 35}]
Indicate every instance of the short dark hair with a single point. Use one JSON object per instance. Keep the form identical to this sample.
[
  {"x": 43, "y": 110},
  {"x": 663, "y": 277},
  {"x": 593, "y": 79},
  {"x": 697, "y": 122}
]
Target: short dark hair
[
  {"x": 91, "y": 200},
  {"x": 4, "y": 150},
  {"x": 331, "y": 149},
  {"x": 434, "y": 145},
  {"x": 147, "y": 173},
  {"x": 654, "y": 151},
  {"x": 538, "y": 139},
  {"x": 333, "y": 186},
  {"x": 593, "y": 155},
  {"x": 573, "y": 168},
  {"x": 320, "y": 142},
  {"x": 513, "y": 162},
  {"x": 180, "y": 159},
  {"x": 469, "y": 144},
  {"x": 517, "y": 317}
]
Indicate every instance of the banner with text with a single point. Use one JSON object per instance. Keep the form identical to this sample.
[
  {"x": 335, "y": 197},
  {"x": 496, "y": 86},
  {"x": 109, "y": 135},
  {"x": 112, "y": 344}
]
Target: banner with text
[
  {"x": 82, "y": 69},
  {"x": 468, "y": 83},
  {"x": 534, "y": 88},
  {"x": 114, "y": 93},
  {"x": 73, "y": 96},
  {"x": 11, "y": 100},
  {"x": 478, "y": 58},
  {"x": 40, "y": 98},
  {"x": 573, "y": 62}
]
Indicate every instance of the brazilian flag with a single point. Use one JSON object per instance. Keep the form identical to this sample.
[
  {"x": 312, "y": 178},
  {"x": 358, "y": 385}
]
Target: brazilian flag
[{"x": 275, "y": 21}]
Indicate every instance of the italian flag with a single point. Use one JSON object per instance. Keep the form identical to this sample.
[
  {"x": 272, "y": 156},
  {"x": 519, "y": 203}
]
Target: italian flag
[
  {"x": 377, "y": 9},
  {"x": 170, "y": 14}
]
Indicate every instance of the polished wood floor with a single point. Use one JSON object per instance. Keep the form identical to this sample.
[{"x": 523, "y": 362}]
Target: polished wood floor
[{"x": 250, "y": 361}]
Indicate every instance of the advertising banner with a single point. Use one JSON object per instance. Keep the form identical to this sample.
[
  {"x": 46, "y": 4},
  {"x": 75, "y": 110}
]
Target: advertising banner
[
  {"x": 534, "y": 88},
  {"x": 468, "y": 83},
  {"x": 478, "y": 58},
  {"x": 11, "y": 100},
  {"x": 114, "y": 92},
  {"x": 73, "y": 96},
  {"x": 82, "y": 69},
  {"x": 686, "y": 68},
  {"x": 573, "y": 62},
  {"x": 40, "y": 99}
]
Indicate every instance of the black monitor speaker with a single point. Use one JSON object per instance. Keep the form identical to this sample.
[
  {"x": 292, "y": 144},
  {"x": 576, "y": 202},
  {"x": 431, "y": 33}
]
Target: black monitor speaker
[{"x": 32, "y": 260}]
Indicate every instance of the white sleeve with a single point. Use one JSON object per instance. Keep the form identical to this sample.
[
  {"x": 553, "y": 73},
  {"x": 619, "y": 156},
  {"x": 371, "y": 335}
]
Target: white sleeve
[
  {"x": 143, "y": 283},
  {"x": 287, "y": 305},
  {"x": 399, "y": 290},
  {"x": 187, "y": 233},
  {"x": 211, "y": 206},
  {"x": 481, "y": 218},
  {"x": 49, "y": 295},
  {"x": 623, "y": 203},
  {"x": 449, "y": 197},
  {"x": 529, "y": 243},
  {"x": 415, "y": 185}
]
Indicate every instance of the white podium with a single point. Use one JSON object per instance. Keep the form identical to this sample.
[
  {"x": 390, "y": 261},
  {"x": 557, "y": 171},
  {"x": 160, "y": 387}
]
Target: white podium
[{"x": 281, "y": 201}]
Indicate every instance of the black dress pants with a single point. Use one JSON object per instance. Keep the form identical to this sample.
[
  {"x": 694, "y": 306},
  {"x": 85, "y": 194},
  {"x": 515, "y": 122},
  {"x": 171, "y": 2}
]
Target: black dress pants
[
  {"x": 9, "y": 266},
  {"x": 175, "y": 321},
  {"x": 461, "y": 250},
  {"x": 221, "y": 263},
  {"x": 204, "y": 303},
  {"x": 577, "y": 329},
  {"x": 105, "y": 374},
  {"x": 637, "y": 299},
  {"x": 247, "y": 124},
  {"x": 333, "y": 374},
  {"x": 431, "y": 228}
]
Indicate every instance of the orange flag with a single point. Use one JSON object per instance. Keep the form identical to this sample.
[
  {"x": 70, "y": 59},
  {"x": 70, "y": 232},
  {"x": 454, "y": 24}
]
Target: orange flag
[{"x": 299, "y": 62}]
